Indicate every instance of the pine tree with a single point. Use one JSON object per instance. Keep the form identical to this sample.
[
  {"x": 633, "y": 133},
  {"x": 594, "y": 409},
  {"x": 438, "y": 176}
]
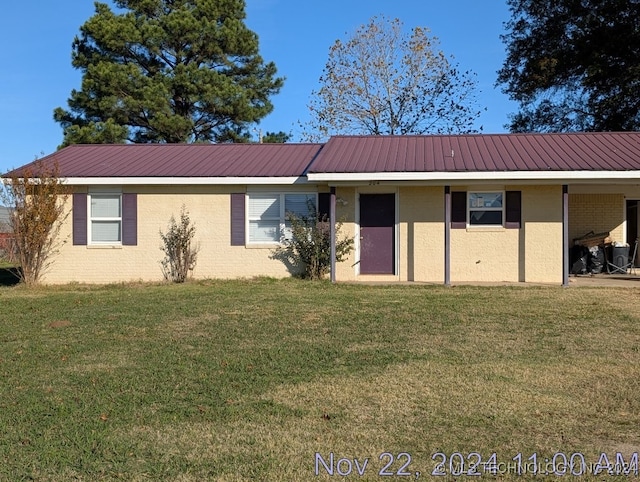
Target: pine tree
[{"x": 167, "y": 71}]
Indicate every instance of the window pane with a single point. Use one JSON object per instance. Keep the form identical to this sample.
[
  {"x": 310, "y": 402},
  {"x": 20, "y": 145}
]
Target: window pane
[
  {"x": 105, "y": 206},
  {"x": 105, "y": 231},
  {"x": 264, "y": 231},
  {"x": 485, "y": 200},
  {"x": 485, "y": 218},
  {"x": 300, "y": 204},
  {"x": 264, "y": 206}
]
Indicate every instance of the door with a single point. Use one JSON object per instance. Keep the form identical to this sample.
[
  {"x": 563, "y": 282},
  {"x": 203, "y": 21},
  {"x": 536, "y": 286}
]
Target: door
[{"x": 377, "y": 233}]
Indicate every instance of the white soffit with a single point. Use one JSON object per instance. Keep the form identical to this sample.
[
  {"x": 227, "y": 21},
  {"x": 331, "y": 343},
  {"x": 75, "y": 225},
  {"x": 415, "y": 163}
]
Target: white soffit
[
  {"x": 484, "y": 176},
  {"x": 181, "y": 181}
]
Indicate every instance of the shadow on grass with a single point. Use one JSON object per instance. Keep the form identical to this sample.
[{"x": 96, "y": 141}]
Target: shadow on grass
[{"x": 9, "y": 276}]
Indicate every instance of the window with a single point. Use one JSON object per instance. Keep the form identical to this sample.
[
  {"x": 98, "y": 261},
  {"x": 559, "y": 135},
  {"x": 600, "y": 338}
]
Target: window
[
  {"x": 267, "y": 212},
  {"x": 105, "y": 218},
  {"x": 486, "y": 208}
]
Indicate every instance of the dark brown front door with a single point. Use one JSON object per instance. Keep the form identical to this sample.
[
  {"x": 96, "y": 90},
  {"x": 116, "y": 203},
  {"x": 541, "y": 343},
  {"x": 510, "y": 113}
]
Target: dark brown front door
[{"x": 377, "y": 233}]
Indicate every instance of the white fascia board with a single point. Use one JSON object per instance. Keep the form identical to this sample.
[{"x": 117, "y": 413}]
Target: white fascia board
[
  {"x": 631, "y": 176},
  {"x": 180, "y": 181}
]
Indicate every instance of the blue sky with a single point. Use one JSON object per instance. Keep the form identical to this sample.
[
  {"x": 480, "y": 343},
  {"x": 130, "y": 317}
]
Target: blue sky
[{"x": 37, "y": 76}]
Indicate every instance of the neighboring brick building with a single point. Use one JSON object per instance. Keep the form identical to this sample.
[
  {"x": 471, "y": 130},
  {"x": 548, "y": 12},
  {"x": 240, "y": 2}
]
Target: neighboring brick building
[
  {"x": 4, "y": 228},
  {"x": 4, "y": 219}
]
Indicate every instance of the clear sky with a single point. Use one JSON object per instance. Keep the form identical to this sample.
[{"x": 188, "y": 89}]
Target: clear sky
[{"x": 36, "y": 74}]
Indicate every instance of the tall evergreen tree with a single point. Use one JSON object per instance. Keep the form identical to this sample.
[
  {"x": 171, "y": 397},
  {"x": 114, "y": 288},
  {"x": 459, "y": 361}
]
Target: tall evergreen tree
[
  {"x": 167, "y": 71},
  {"x": 573, "y": 65}
]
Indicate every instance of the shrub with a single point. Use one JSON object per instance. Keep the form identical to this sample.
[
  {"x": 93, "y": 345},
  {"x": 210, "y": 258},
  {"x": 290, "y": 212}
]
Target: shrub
[
  {"x": 36, "y": 199},
  {"x": 309, "y": 246},
  {"x": 180, "y": 251}
]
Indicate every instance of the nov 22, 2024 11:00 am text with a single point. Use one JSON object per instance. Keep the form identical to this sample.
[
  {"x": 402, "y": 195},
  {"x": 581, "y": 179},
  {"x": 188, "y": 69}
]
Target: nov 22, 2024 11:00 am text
[{"x": 457, "y": 464}]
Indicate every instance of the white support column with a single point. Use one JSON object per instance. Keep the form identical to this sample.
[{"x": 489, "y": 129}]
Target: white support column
[
  {"x": 332, "y": 232},
  {"x": 447, "y": 235},
  {"x": 565, "y": 235}
]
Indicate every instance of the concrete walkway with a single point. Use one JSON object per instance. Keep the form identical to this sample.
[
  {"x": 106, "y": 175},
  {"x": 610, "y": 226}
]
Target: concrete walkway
[
  {"x": 575, "y": 281},
  {"x": 607, "y": 280}
]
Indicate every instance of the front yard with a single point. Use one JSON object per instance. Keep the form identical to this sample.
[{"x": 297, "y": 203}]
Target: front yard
[{"x": 292, "y": 380}]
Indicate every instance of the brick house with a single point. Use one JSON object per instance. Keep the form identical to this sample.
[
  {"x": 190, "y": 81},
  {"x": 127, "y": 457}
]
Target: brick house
[{"x": 440, "y": 209}]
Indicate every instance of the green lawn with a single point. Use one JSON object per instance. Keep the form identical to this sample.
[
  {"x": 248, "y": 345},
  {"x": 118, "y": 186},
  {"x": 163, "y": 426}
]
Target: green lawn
[
  {"x": 6, "y": 264},
  {"x": 268, "y": 380}
]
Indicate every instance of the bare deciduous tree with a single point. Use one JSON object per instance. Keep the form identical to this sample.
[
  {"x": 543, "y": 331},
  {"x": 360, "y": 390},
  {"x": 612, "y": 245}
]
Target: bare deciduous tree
[
  {"x": 36, "y": 197},
  {"x": 382, "y": 81}
]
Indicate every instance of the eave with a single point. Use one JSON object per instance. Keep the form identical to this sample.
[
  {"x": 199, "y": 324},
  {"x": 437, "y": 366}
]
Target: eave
[
  {"x": 435, "y": 178},
  {"x": 182, "y": 181}
]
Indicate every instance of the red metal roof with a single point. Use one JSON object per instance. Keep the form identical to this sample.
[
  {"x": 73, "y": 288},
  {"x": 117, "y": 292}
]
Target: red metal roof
[
  {"x": 358, "y": 154},
  {"x": 480, "y": 153},
  {"x": 184, "y": 160}
]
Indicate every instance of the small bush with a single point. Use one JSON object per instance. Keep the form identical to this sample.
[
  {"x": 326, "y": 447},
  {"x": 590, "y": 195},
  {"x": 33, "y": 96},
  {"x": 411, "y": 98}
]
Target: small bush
[
  {"x": 180, "y": 251},
  {"x": 309, "y": 246}
]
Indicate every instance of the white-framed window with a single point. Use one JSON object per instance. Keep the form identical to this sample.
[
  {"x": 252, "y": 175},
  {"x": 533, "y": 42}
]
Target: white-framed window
[
  {"x": 105, "y": 218},
  {"x": 486, "y": 208},
  {"x": 267, "y": 214}
]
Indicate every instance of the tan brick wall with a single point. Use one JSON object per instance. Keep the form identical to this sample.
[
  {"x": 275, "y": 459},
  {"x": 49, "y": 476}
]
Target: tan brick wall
[
  {"x": 209, "y": 209},
  {"x": 597, "y": 213},
  {"x": 484, "y": 254},
  {"x": 533, "y": 253},
  {"x": 421, "y": 234},
  {"x": 346, "y": 212},
  {"x": 542, "y": 233}
]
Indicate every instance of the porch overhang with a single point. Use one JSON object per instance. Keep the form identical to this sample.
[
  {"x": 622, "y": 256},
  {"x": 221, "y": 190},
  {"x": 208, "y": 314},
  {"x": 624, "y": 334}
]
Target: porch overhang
[{"x": 477, "y": 177}]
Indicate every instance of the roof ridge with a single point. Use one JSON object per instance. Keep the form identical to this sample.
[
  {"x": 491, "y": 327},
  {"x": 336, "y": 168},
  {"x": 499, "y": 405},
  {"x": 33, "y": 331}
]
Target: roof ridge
[
  {"x": 195, "y": 144},
  {"x": 486, "y": 134}
]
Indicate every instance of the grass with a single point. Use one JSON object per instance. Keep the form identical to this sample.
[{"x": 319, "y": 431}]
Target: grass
[
  {"x": 4, "y": 263},
  {"x": 9, "y": 273},
  {"x": 266, "y": 379}
]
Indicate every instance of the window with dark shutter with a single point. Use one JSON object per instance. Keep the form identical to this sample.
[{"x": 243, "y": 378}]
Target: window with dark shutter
[
  {"x": 513, "y": 215},
  {"x": 105, "y": 218},
  {"x": 79, "y": 218},
  {"x": 237, "y": 219},
  {"x": 458, "y": 210}
]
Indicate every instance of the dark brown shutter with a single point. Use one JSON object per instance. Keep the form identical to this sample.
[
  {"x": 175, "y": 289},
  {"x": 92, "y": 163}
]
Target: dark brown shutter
[
  {"x": 79, "y": 218},
  {"x": 324, "y": 208},
  {"x": 129, "y": 219},
  {"x": 458, "y": 210},
  {"x": 513, "y": 215},
  {"x": 237, "y": 219}
]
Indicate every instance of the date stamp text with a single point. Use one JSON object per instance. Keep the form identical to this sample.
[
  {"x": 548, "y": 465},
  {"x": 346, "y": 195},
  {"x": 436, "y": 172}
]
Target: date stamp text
[{"x": 474, "y": 464}]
